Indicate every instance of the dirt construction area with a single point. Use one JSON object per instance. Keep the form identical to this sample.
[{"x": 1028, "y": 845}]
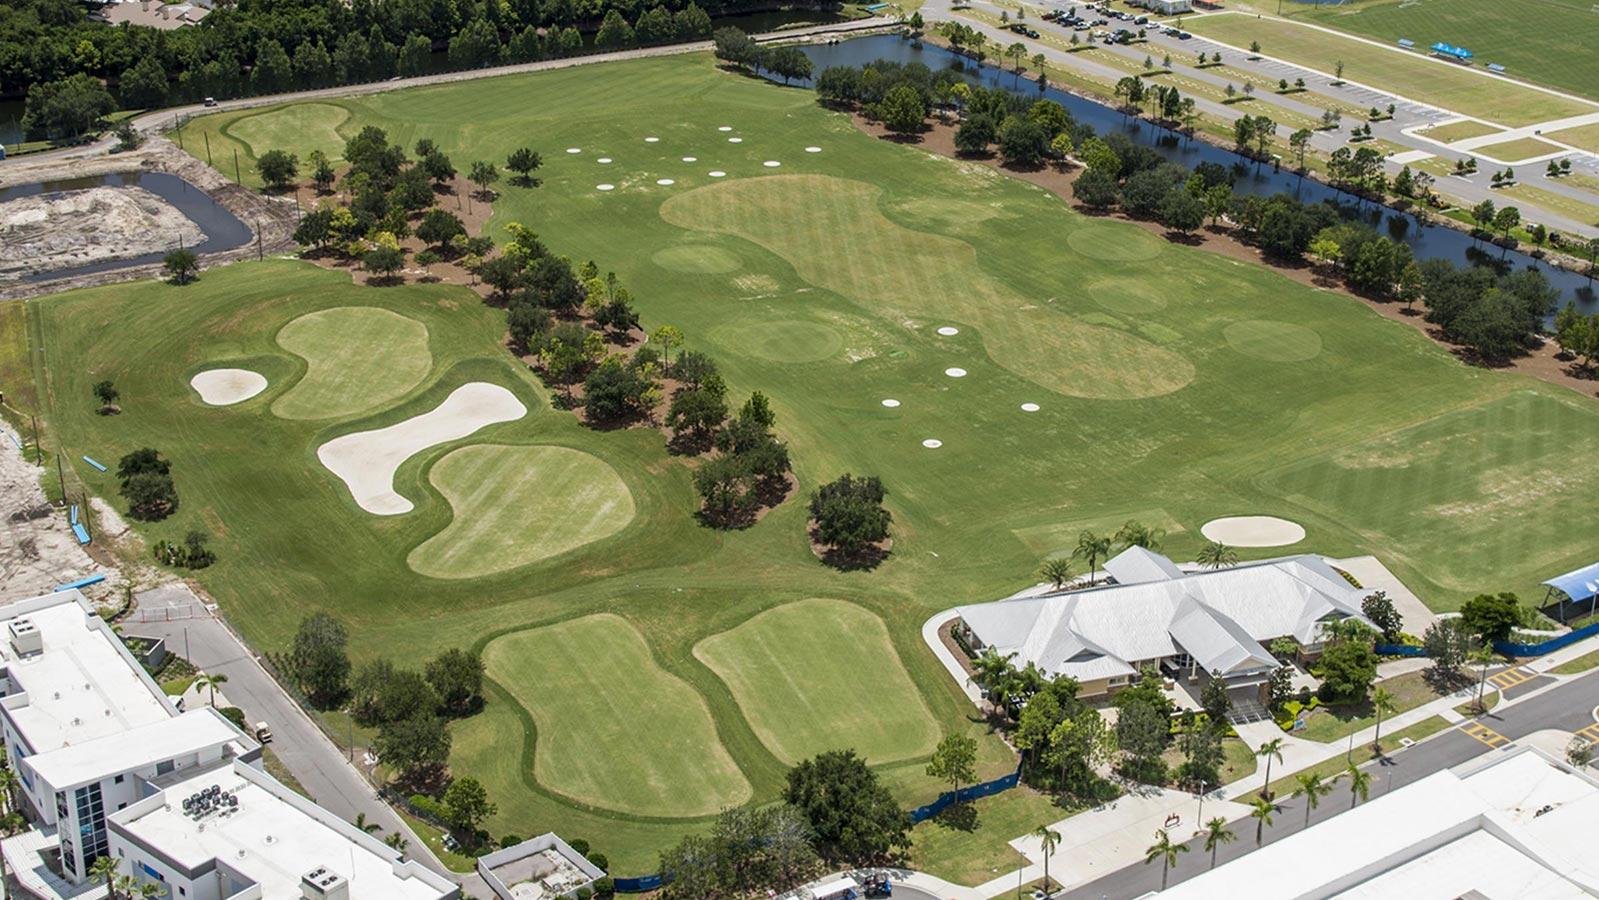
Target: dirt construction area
[
  {"x": 50, "y": 231},
  {"x": 38, "y": 550}
]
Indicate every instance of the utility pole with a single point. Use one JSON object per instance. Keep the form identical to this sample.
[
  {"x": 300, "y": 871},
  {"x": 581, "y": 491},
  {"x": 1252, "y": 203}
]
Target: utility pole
[
  {"x": 258, "y": 249},
  {"x": 83, "y": 516},
  {"x": 61, "y": 479},
  {"x": 38, "y": 449},
  {"x": 207, "y": 148}
]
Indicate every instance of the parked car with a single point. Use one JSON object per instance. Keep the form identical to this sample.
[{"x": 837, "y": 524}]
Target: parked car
[
  {"x": 210, "y": 101},
  {"x": 262, "y": 733}
]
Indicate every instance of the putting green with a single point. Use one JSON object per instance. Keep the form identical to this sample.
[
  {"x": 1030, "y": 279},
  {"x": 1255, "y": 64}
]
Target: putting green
[
  {"x": 1273, "y": 341},
  {"x": 784, "y": 341},
  {"x": 298, "y": 129},
  {"x": 615, "y": 729},
  {"x": 357, "y": 358},
  {"x": 1115, "y": 243},
  {"x": 517, "y": 505},
  {"x": 831, "y": 231},
  {"x": 822, "y": 675},
  {"x": 697, "y": 259}
]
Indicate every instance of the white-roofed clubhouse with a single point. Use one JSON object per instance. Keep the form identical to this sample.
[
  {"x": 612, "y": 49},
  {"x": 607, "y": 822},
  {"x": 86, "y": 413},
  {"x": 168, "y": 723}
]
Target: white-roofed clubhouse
[{"x": 1155, "y": 613}]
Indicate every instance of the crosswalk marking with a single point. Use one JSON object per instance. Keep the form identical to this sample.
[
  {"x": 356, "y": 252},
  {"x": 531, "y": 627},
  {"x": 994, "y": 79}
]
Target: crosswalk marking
[
  {"x": 1509, "y": 678},
  {"x": 1590, "y": 733},
  {"x": 1483, "y": 734}
]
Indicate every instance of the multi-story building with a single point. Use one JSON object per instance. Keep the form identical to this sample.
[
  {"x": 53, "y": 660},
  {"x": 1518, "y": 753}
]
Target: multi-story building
[{"x": 105, "y": 762}]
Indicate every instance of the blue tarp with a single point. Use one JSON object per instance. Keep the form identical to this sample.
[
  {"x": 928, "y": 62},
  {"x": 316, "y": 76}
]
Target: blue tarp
[
  {"x": 74, "y": 513},
  {"x": 1451, "y": 50},
  {"x": 80, "y": 583},
  {"x": 1579, "y": 585},
  {"x": 83, "y": 536},
  {"x": 94, "y": 463}
]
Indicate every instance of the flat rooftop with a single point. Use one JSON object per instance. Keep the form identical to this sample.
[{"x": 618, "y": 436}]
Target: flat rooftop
[
  {"x": 273, "y": 837},
  {"x": 84, "y": 685},
  {"x": 193, "y": 732}
]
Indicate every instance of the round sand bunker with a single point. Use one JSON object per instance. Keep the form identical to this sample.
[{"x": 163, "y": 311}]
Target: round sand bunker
[
  {"x": 1253, "y": 531},
  {"x": 224, "y": 387}
]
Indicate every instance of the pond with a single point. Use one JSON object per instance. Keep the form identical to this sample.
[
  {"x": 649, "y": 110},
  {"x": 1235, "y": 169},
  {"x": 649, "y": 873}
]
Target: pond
[
  {"x": 1426, "y": 241},
  {"x": 223, "y": 230}
]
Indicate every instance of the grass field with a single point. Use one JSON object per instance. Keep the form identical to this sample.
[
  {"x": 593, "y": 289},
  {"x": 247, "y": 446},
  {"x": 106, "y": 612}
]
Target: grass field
[
  {"x": 1408, "y": 74},
  {"x": 1545, "y": 41},
  {"x": 1409, "y": 691},
  {"x": 1559, "y": 203},
  {"x": 1584, "y": 136},
  {"x": 1458, "y": 131},
  {"x": 1155, "y": 404},
  {"x": 807, "y": 672},
  {"x": 617, "y": 731},
  {"x": 357, "y": 358},
  {"x": 513, "y": 506},
  {"x": 16, "y": 368},
  {"x": 1517, "y": 150},
  {"x": 965, "y": 846}
]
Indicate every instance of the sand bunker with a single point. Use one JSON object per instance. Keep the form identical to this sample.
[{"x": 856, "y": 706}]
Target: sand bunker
[
  {"x": 603, "y": 160},
  {"x": 574, "y": 149},
  {"x": 724, "y": 128},
  {"x": 367, "y": 460},
  {"x": 652, "y": 140},
  {"x": 735, "y": 140},
  {"x": 605, "y": 187},
  {"x": 813, "y": 149},
  {"x": 1029, "y": 407},
  {"x": 664, "y": 182},
  {"x": 718, "y": 173},
  {"x": 955, "y": 372},
  {"x": 223, "y": 387},
  {"x": 949, "y": 331},
  {"x": 932, "y": 443},
  {"x": 891, "y": 403},
  {"x": 771, "y": 164},
  {"x": 691, "y": 159},
  {"x": 1253, "y": 531}
]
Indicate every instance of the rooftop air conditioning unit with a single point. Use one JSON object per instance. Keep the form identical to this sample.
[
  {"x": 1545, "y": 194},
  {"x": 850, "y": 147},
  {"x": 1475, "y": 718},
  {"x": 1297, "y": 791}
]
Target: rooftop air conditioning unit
[
  {"x": 323, "y": 883},
  {"x": 25, "y": 637}
]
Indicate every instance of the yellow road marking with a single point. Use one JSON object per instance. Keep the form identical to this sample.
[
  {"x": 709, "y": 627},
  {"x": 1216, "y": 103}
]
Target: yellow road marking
[{"x": 1483, "y": 734}]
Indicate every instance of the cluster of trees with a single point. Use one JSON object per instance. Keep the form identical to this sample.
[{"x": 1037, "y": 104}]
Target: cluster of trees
[
  {"x": 750, "y": 468},
  {"x": 1490, "y": 311},
  {"x": 739, "y": 49},
  {"x": 191, "y": 554},
  {"x": 146, "y": 478},
  {"x": 1578, "y": 335},
  {"x": 849, "y": 517},
  {"x": 66, "y": 60},
  {"x": 1451, "y": 643}
]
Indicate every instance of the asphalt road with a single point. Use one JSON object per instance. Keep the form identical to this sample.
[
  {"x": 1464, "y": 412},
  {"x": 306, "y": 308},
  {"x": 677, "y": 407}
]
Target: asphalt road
[{"x": 1568, "y": 707}]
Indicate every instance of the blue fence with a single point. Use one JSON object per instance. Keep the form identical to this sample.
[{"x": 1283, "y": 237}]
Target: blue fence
[
  {"x": 1507, "y": 648},
  {"x": 919, "y": 814}
]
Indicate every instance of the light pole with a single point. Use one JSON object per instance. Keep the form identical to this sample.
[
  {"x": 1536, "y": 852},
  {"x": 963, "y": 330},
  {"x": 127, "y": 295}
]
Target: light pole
[{"x": 1199, "y": 819}]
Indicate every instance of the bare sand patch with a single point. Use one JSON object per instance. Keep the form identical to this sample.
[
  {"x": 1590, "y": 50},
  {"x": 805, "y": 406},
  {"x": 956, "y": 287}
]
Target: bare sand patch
[
  {"x": 51, "y": 231},
  {"x": 1253, "y": 531},
  {"x": 224, "y": 387},
  {"x": 367, "y": 460}
]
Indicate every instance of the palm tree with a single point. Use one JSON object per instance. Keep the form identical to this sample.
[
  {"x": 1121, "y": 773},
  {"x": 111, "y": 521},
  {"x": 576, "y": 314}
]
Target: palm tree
[
  {"x": 364, "y": 825},
  {"x": 1359, "y": 785},
  {"x": 1137, "y": 534},
  {"x": 1313, "y": 789},
  {"x": 1383, "y": 703},
  {"x": 1166, "y": 851},
  {"x": 1216, "y": 555},
  {"x": 1093, "y": 547},
  {"x": 1049, "y": 839},
  {"x": 1272, "y": 749},
  {"x": 1216, "y": 834},
  {"x": 104, "y": 869},
  {"x": 1484, "y": 657},
  {"x": 398, "y": 841},
  {"x": 991, "y": 669},
  {"x": 1261, "y": 810},
  {"x": 1057, "y": 570},
  {"x": 210, "y": 682}
]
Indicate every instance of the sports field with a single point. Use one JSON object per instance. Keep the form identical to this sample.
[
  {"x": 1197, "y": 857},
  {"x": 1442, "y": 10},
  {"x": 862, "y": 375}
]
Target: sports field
[
  {"x": 1173, "y": 386},
  {"x": 1406, "y": 73},
  {"x": 1544, "y": 41}
]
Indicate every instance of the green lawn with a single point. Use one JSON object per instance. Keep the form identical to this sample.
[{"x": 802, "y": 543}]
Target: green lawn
[
  {"x": 1517, "y": 150},
  {"x": 822, "y": 286},
  {"x": 819, "y": 675},
  {"x": 357, "y": 358},
  {"x": 970, "y": 844},
  {"x": 1457, "y": 131},
  {"x": 616, "y": 730},
  {"x": 1560, "y": 203},
  {"x": 513, "y": 506},
  {"x": 1337, "y": 765},
  {"x": 1406, "y": 73},
  {"x": 1577, "y": 666},
  {"x": 1409, "y": 691},
  {"x": 1584, "y": 136},
  {"x": 1545, "y": 41}
]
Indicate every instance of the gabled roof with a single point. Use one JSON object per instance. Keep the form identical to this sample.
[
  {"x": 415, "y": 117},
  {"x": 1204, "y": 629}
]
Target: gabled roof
[
  {"x": 1224, "y": 614},
  {"x": 1136, "y": 565}
]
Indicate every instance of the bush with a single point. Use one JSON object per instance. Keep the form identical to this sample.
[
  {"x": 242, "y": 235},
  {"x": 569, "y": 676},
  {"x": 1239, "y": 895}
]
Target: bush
[
  {"x": 233, "y": 714},
  {"x": 510, "y": 840}
]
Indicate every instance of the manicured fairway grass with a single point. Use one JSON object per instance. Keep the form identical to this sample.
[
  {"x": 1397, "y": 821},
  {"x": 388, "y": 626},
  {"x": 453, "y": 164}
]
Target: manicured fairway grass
[
  {"x": 357, "y": 358},
  {"x": 1408, "y": 74},
  {"x": 513, "y": 506},
  {"x": 1545, "y": 41},
  {"x": 819, "y": 675},
  {"x": 1517, "y": 150},
  {"x": 1147, "y": 411},
  {"x": 615, "y": 729},
  {"x": 305, "y": 126},
  {"x": 942, "y": 845}
]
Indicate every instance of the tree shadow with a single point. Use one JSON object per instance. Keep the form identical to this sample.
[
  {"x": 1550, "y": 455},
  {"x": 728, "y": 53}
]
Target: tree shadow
[
  {"x": 958, "y": 817},
  {"x": 863, "y": 560},
  {"x": 1186, "y": 238}
]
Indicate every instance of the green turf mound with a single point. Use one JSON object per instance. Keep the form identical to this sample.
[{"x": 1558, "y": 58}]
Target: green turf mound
[
  {"x": 1115, "y": 243},
  {"x": 784, "y": 341},
  {"x": 1273, "y": 341},
  {"x": 1133, "y": 298},
  {"x": 304, "y": 127},
  {"x": 818, "y": 675},
  {"x": 357, "y": 358},
  {"x": 615, "y": 729},
  {"x": 517, "y": 505},
  {"x": 833, "y": 234},
  {"x": 697, "y": 259}
]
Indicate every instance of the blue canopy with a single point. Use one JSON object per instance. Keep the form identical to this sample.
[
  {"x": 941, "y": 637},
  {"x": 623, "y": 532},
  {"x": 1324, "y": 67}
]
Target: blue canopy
[
  {"x": 1451, "y": 50},
  {"x": 1583, "y": 584}
]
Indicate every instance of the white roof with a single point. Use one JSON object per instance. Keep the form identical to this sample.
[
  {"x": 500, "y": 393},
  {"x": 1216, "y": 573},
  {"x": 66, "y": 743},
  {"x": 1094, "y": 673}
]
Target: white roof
[
  {"x": 194, "y": 732},
  {"x": 1520, "y": 827},
  {"x": 836, "y": 886},
  {"x": 273, "y": 837},
  {"x": 84, "y": 685},
  {"x": 1226, "y": 613},
  {"x": 1136, "y": 565}
]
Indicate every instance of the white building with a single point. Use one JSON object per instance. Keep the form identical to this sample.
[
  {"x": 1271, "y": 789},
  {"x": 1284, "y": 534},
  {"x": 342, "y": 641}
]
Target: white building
[
  {"x": 1164, "y": 7},
  {"x": 1509, "y": 825},
  {"x": 95, "y": 742},
  {"x": 1154, "y": 613}
]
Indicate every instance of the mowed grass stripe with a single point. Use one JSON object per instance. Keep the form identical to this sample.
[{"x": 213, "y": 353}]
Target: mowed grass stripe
[
  {"x": 1407, "y": 74},
  {"x": 357, "y": 358},
  {"x": 821, "y": 675},
  {"x": 614, "y": 728},
  {"x": 304, "y": 127},
  {"x": 517, "y": 505}
]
